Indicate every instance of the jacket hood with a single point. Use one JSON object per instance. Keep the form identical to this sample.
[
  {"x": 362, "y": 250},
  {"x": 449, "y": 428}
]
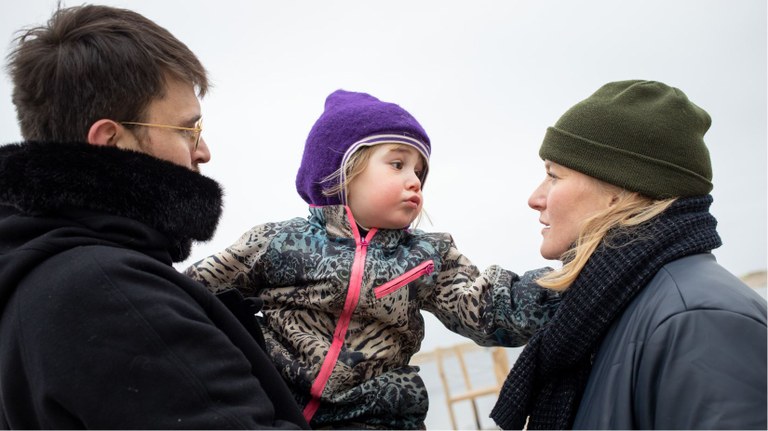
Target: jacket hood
[{"x": 55, "y": 196}]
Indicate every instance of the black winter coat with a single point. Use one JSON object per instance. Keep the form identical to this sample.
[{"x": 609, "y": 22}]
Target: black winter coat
[
  {"x": 689, "y": 352},
  {"x": 98, "y": 330}
]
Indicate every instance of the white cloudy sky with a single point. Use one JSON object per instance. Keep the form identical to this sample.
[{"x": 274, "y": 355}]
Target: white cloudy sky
[{"x": 485, "y": 78}]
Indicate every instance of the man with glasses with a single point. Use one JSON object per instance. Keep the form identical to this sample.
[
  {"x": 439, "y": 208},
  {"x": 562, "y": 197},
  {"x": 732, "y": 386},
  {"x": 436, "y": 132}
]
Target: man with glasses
[{"x": 97, "y": 329}]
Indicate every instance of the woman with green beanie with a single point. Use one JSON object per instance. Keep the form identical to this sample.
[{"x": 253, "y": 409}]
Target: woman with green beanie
[{"x": 651, "y": 333}]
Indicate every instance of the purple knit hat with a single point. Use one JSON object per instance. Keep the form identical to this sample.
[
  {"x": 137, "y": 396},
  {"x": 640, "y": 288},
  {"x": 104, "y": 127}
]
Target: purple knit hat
[{"x": 352, "y": 121}]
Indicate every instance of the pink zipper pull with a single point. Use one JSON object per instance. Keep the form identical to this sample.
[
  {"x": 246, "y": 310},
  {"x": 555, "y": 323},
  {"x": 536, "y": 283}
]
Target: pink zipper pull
[{"x": 430, "y": 268}]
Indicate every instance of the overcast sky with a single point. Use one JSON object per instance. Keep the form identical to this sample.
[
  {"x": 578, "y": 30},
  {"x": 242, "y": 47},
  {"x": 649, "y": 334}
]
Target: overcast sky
[{"x": 485, "y": 79}]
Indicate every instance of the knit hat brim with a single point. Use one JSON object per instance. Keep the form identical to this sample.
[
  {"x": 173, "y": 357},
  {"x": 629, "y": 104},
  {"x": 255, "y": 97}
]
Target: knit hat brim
[{"x": 626, "y": 169}]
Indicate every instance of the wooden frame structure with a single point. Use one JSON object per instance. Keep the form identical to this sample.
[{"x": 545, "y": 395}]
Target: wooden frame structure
[{"x": 441, "y": 355}]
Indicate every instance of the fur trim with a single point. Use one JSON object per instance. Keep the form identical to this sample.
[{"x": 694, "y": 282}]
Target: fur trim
[{"x": 48, "y": 177}]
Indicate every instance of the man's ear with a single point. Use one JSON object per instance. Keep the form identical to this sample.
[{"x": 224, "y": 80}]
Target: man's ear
[{"x": 105, "y": 132}]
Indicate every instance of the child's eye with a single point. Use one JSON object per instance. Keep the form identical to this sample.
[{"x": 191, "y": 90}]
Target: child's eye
[{"x": 397, "y": 164}]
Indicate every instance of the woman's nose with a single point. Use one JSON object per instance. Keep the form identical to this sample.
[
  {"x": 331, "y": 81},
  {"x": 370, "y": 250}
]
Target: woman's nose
[{"x": 537, "y": 199}]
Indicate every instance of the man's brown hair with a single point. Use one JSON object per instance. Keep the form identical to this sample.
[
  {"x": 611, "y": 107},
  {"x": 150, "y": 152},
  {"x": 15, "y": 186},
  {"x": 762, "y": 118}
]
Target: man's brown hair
[{"x": 92, "y": 62}]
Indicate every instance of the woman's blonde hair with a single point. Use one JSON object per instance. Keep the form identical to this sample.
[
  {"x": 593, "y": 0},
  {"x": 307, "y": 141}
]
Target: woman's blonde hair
[
  {"x": 630, "y": 209},
  {"x": 341, "y": 178}
]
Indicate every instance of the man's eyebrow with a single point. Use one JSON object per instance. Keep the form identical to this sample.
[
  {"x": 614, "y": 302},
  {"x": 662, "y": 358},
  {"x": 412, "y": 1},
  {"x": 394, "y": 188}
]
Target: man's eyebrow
[{"x": 191, "y": 120}]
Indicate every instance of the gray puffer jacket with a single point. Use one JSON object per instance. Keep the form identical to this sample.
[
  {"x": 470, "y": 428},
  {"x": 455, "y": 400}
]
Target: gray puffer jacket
[{"x": 689, "y": 352}]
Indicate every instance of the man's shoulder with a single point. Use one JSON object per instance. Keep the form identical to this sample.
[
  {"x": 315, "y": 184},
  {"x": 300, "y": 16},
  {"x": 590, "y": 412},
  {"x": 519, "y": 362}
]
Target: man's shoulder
[
  {"x": 102, "y": 256},
  {"x": 85, "y": 271}
]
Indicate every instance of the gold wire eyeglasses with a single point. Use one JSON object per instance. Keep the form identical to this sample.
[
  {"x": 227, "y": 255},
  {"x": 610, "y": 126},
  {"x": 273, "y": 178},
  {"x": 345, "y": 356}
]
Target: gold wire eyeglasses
[{"x": 195, "y": 134}]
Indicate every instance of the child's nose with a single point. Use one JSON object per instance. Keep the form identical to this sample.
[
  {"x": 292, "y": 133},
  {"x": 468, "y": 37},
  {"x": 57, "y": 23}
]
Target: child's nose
[{"x": 413, "y": 182}]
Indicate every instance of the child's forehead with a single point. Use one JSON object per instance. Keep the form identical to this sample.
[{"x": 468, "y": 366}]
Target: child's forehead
[
  {"x": 399, "y": 150},
  {"x": 396, "y": 148}
]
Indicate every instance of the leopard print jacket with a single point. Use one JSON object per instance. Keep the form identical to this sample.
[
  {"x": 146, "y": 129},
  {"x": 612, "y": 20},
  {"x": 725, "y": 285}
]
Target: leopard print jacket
[{"x": 341, "y": 314}]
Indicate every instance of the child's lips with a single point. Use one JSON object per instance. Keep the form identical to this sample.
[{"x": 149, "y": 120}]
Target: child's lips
[{"x": 413, "y": 201}]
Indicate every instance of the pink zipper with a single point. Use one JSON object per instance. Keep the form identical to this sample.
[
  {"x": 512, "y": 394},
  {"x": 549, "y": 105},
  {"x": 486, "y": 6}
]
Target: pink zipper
[
  {"x": 423, "y": 268},
  {"x": 340, "y": 333}
]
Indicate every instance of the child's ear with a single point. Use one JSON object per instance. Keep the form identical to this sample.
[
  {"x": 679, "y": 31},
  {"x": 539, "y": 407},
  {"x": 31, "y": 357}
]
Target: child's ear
[{"x": 105, "y": 132}]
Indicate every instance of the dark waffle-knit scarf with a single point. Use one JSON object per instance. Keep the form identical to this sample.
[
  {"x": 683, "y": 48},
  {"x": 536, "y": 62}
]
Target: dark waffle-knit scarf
[{"x": 547, "y": 381}]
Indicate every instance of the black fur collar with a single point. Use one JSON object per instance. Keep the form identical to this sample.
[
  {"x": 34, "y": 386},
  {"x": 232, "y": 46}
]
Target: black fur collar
[{"x": 40, "y": 177}]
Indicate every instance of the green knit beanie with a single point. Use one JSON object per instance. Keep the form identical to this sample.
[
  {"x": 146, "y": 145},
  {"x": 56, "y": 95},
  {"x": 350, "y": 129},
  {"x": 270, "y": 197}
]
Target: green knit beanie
[{"x": 643, "y": 136}]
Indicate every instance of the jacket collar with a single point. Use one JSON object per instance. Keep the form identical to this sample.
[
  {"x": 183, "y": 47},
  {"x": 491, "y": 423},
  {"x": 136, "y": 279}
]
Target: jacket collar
[
  {"x": 336, "y": 222},
  {"x": 46, "y": 178}
]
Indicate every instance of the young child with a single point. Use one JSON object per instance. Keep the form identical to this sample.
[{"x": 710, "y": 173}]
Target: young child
[{"x": 343, "y": 289}]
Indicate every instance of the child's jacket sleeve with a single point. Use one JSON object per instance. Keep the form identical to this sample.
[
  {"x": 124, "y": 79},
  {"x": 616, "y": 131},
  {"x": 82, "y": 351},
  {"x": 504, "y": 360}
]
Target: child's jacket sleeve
[
  {"x": 234, "y": 266},
  {"x": 493, "y": 307}
]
